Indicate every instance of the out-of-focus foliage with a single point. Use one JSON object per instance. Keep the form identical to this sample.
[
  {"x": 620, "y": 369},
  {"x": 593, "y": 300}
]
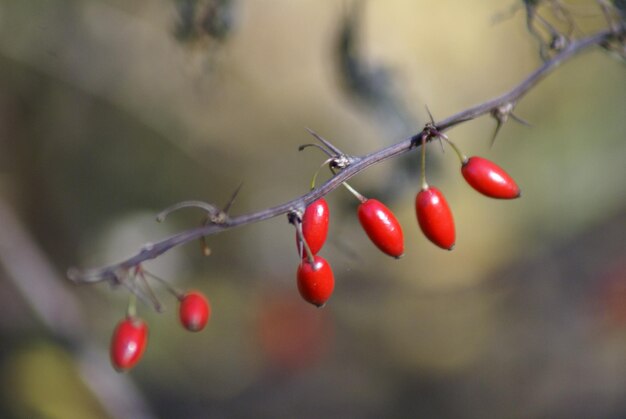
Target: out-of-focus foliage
[
  {"x": 42, "y": 382},
  {"x": 110, "y": 111}
]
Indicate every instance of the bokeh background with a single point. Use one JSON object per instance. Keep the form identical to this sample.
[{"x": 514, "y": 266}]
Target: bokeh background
[{"x": 112, "y": 110}]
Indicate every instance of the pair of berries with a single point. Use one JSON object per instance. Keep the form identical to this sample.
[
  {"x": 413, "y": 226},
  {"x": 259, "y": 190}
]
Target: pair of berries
[
  {"x": 433, "y": 213},
  {"x": 379, "y": 223},
  {"x": 130, "y": 336},
  {"x": 316, "y": 281}
]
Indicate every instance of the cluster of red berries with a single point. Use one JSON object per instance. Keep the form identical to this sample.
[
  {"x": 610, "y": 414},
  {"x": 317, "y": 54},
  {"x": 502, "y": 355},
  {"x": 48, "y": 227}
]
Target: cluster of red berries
[
  {"x": 130, "y": 336},
  {"x": 315, "y": 277}
]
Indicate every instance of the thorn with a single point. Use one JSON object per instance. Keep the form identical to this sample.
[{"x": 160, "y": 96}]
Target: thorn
[
  {"x": 501, "y": 115},
  {"x": 232, "y": 198},
  {"x": 520, "y": 120},
  {"x": 328, "y": 153},
  {"x": 430, "y": 115},
  {"x": 326, "y": 142},
  {"x": 495, "y": 132}
]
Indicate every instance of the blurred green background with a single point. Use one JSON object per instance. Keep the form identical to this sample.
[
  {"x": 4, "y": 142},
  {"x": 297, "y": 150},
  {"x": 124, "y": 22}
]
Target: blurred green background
[{"x": 112, "y": 110}]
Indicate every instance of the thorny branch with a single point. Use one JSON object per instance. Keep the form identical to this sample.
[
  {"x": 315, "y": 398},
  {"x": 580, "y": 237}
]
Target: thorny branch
[{"x": 117, "y": 271}]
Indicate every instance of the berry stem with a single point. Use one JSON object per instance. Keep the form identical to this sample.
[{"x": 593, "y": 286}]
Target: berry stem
[
  {"x": 423, "y": 168},
  {"x": 462, "y": 157},
  {"x": 304, "y": 244},
  {"x": 131, "y": 310},
  {"x": 354, "y": 192},
  {"x": 131, "y": 285},
  {"x": 317, "y": 172},
  {"x": 153, "y": 298},
  {"x": 179, "y": 295},
  {"x": 295, "y": 218}
]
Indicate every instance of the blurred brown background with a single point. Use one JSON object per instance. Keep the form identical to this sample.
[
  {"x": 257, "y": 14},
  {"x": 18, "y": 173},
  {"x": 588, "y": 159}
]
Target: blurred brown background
[{"x": 112, "y": 110}]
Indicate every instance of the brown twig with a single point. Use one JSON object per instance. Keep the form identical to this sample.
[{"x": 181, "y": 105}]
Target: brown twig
[{"x": 358, "y": 164}]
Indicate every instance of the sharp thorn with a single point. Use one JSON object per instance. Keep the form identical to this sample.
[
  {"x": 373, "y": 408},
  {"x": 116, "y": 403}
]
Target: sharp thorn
[
  {"x": 325, "y": 142},
  {"x": 430, "y": 115},
  {"x": 495, "y": 133},
  {"x": 328, "y": 153},
  {"x": 520, "y": 120},
  {"x": 232, "y": 198}
]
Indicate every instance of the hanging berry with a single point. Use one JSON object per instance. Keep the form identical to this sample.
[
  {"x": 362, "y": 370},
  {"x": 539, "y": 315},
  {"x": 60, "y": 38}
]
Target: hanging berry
[
  {"x": 489, "y": 179},
  {"x": 379, "y": 223},
  {"x": 315, "y": 281},
  {"x": 194, "y": 311},
  {"x": 433, "y": 213},
  {"x": 435, "y": 218},
  {"x": 128, "y": 343},
  {"x": 382, "y": 227},
  {"x": 315, "y": 225}
]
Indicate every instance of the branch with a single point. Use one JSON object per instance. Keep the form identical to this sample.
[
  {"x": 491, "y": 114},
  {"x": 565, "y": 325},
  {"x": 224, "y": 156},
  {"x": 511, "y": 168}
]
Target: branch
[
  {"x": 150, "y": 251},
  {"x": 531, "y": 81}
]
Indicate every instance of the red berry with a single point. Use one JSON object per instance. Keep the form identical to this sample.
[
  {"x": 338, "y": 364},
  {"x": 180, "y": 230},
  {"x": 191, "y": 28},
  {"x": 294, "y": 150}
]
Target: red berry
[
  {"x": 315, "y": 225},
  {"x": 315, "y": 282},
  {"x": 435, "y": 218},
  {"x": 382, "y": 227},
  {"x": 128, "y": 343},
  {"x": 489, "y": 179},
  {"x": 194, "y": 311}
]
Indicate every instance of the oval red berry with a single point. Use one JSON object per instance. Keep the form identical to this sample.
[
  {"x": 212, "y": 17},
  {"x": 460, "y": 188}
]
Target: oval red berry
[
  {"x": 315, "y": 282},
  {"x": 382, "y": 227},
  {"x": 315, "y": 225},
  {"x": 489, "y": 179},
  {"x": 128, "y": 343},
  {"x": 435, "y": 218},
  {"x": 194, "y": 311}
]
